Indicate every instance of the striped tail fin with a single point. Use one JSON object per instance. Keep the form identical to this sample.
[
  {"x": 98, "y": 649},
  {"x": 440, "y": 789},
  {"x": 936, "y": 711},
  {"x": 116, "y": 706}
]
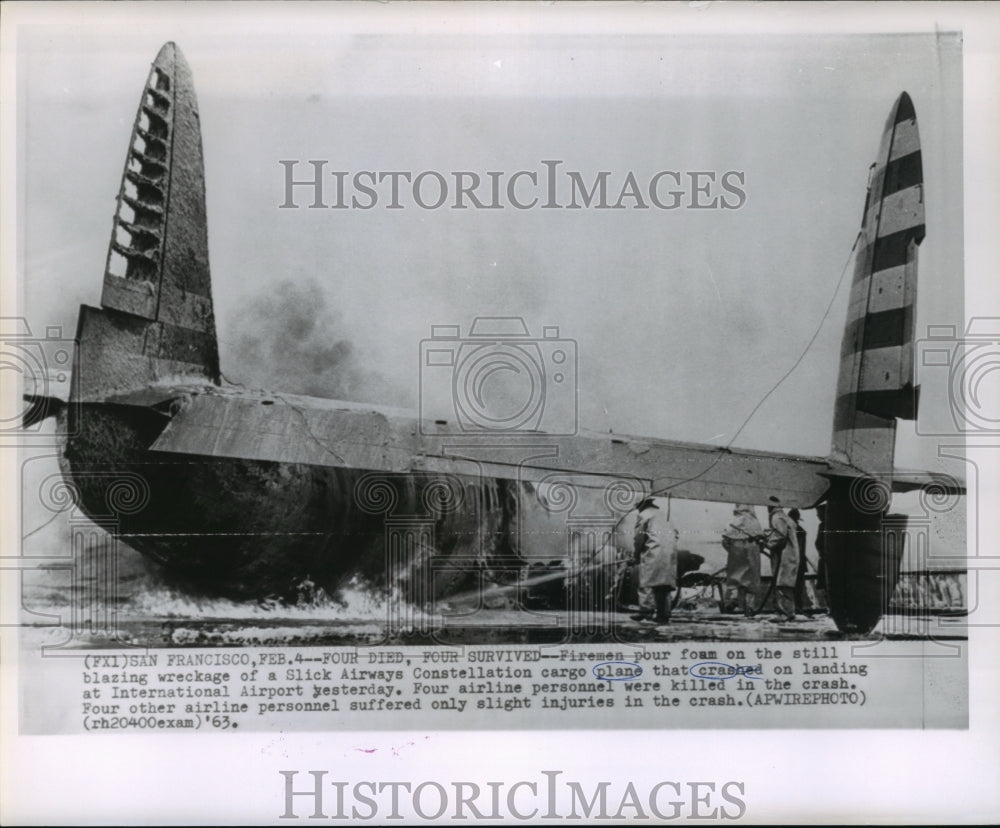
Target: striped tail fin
[
  {"x": 157, "y": 320},
  {"x": 875, "y": 386}
]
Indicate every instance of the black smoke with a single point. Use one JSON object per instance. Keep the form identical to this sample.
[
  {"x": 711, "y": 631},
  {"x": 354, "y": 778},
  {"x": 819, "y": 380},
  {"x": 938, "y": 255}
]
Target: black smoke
[{"x": 292, "y": 340}]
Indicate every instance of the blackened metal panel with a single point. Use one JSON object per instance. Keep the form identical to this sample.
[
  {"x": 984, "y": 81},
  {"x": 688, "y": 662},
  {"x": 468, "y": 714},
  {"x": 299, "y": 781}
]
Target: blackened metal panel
[{"x": 291, "y": 430}]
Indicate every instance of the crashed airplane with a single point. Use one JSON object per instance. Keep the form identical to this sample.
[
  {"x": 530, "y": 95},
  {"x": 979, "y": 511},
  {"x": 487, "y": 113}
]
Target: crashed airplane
[{"x": 244, "y": 494}]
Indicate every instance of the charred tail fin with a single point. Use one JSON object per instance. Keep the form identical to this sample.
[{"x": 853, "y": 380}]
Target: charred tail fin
[
  {"x": 157, "y": 321},
  {"x": 875, "y": 386}
]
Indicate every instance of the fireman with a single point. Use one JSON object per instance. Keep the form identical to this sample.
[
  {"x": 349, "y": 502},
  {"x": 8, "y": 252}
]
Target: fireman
[
  {"x": 783, "y": 545},
  {"x": 740, "y": 540},
  {"x": 656, "y": 562}
]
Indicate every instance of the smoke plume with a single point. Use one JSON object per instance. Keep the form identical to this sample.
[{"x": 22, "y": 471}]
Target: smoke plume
[{"x": 287, "y": 341}]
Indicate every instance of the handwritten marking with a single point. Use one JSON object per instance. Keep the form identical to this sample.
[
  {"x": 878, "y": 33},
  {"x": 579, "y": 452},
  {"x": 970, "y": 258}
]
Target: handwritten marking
[
  {"x": 617, "y": 670},
  {"x": 721, "y": 671}
]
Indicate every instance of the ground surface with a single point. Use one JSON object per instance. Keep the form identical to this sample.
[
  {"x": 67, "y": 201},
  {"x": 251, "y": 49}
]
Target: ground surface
[{"x": 495, "y": 627}]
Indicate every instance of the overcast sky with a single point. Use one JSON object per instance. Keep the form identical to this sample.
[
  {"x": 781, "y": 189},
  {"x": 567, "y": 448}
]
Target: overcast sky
[{"x": 683, "y": 319}]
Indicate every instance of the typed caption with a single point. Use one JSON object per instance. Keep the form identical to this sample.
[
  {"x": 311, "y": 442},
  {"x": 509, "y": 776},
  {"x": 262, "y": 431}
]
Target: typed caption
[{"x": 675, "y": 685}]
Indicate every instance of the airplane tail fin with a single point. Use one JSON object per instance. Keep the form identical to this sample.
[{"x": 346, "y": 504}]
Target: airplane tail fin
[
  {"x": 156, "y": 321},
  {"x": 875, "y": 386}
]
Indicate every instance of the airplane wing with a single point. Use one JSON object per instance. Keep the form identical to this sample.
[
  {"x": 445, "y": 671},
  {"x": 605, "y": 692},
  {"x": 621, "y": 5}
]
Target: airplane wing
[{"x": 289, "y": 429}]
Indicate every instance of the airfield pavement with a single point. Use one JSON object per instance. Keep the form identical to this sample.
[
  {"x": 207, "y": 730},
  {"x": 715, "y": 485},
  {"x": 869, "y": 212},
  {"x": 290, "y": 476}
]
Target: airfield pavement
[{"x": 482, "y": 628}]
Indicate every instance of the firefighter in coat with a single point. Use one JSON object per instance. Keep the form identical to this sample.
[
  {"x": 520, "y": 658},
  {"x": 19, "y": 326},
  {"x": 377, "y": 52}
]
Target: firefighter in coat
[
  {"x": 656, "y": 562},
  {"x": 782, "y": 543},
  {"x": 740, "y": 540}
]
